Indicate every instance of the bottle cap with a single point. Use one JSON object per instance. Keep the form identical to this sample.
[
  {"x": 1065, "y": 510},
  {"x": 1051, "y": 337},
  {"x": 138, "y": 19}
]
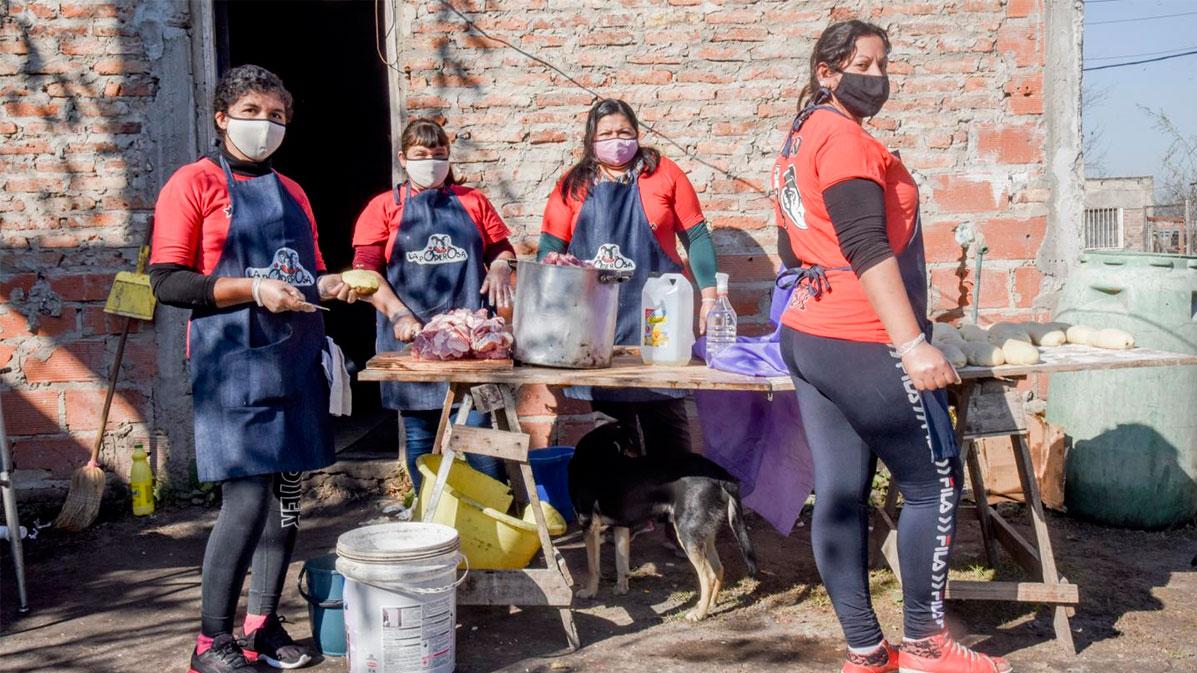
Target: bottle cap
[{"x": 721, "y": 282}]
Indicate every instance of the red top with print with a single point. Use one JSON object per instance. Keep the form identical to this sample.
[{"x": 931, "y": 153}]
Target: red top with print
[
  {"x": 670, "y": 204},
  {"x": 831, "y": 148},
  {"x": 379, "y": 222},
  {"x": 191, "y": 218}
]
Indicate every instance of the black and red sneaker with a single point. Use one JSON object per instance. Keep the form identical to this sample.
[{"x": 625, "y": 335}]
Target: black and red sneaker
[
  {"x": 224, "y": 656},
  {"x": 271, "y": 644}
]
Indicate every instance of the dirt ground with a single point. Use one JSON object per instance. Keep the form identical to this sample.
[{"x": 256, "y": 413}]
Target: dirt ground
[{"x": 124, "y": 596}]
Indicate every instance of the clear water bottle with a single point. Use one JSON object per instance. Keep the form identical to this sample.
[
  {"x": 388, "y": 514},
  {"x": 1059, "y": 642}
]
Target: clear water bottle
[{"x": 721, "y": 321}]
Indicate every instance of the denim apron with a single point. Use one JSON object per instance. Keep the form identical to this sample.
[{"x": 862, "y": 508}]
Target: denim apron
[
  {"x": 810, "y": 282},
  {"x": 436, "y": 265},
  {"x": 258, "y": 387},
  {"x": 613, "y": 232}
]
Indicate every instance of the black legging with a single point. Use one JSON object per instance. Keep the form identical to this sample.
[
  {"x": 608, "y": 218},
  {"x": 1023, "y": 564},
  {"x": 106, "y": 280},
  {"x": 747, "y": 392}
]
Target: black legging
[
  {"x": 857, "y": 405},
  {"x": 663, "y": 423},
  {"x": 259, "y": 517}
]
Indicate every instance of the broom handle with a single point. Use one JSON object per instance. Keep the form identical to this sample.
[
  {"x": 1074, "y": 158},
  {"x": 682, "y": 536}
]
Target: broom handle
[{"x": 116, "y": 369}]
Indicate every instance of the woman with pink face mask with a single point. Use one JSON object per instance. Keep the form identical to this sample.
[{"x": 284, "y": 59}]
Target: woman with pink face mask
[{"x": 625, "y": 206}]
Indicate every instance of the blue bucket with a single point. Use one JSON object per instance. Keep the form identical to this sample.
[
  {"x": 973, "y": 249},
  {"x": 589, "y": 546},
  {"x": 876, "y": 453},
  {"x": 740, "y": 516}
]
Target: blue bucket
[
  {"x": 325, "y": 609},
  {"x": 550, "y": 467}
]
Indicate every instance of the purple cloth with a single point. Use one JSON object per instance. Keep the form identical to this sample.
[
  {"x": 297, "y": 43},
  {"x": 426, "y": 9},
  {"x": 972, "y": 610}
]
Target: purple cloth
[{"x": 757, "y": 439}]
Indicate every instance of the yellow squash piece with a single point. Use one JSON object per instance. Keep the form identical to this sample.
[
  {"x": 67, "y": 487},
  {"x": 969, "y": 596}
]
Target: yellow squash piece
[{"x": 364, "y": 283}]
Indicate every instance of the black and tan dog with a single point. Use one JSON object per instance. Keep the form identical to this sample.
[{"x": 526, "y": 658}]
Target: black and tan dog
[{"x": 610, "y": 488}]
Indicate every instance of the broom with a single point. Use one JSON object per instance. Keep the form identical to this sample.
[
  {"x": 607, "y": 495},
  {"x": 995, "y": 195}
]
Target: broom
[
  {"x": 82, "y": 504},
  {"x": 131, "y": 297}
]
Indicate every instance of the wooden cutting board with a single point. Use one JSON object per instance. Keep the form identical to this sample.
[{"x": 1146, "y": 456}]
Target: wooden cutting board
[{"x": 405, "y": 361}]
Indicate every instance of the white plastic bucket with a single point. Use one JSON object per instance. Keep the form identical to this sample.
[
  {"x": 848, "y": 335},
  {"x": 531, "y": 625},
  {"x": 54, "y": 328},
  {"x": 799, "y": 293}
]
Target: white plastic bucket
[{"x": 400, "y": 597}]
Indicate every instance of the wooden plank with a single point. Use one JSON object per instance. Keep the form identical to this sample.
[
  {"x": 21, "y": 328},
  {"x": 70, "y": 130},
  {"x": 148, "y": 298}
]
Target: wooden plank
[
  {"x": 488, "y": 442},
  {"x": 533, "y": 586},
  {"x": 1022, "y": 592},
  {"x": 627, "y": 371},
  {"x": 1020, "y": 549},
  {"x": 405, "y": 361}
]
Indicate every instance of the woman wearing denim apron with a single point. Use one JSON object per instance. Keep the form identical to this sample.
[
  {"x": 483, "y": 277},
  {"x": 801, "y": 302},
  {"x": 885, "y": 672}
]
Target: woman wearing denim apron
[
  {"x": 624, "y": 206},
  {"x": 855, "y": 338},
  {"x": 235, "y": 242},
  {"x": 437, "y": 246}
]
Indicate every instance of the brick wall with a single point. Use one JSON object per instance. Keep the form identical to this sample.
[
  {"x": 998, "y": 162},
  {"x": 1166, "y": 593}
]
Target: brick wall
[
  {"x": 722, "y": 79},
  {"x": 78, "y": 82},
  {"x": 98, "y": 109}
]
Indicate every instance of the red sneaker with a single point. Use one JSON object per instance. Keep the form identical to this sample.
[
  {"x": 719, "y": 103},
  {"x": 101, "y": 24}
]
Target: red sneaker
[
  {"x": 884, "y": 659},
  {"x": 941, "y": 654}
]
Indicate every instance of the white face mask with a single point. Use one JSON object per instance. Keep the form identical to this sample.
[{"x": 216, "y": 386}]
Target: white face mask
[
  {"x": 256, "y": 138},
  {"x": 426, "y": 173}
]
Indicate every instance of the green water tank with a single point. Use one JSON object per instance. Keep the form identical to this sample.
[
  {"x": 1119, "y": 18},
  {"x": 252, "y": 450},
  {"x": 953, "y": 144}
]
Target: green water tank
[{"x": 1133, "y": 432}]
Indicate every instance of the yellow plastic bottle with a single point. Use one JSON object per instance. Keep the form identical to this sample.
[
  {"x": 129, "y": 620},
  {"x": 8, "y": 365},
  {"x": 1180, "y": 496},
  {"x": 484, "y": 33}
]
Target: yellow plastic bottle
[{"x": 141, "y": 481}]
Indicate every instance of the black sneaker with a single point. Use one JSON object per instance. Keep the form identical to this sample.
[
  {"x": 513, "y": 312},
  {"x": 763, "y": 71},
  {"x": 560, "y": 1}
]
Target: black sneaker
[
  {"x": 271, "y": 644},
  {"x": 225, "y": 656}
]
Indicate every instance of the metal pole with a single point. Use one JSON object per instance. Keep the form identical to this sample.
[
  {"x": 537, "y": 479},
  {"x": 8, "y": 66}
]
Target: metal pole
[
  {"x": 1190, "y": 228},
  {"x": 9, "y": 495}
]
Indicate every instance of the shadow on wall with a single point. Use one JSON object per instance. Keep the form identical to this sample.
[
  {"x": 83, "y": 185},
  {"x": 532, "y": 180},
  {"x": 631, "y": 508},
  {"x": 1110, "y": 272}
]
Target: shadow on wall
[{"x": 80, "y": 102}]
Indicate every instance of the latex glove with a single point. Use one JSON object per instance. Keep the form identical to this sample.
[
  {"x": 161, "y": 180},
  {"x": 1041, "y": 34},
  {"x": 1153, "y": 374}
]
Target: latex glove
[
  {"x": 928, "y": 368},
  {"x": 497, "y": 285},
  {"x": 406, "y": 328},
  {"x": 278, "y": 297},
  {"x": 330, "y": 286}
]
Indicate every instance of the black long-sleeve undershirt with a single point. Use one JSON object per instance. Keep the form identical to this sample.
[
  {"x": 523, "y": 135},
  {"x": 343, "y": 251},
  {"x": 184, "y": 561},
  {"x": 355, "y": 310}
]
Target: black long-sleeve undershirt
[{"x": 857, "y": 210}]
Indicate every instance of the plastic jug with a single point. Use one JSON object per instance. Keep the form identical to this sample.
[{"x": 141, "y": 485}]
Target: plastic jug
[{"x": 667, "y": 320}]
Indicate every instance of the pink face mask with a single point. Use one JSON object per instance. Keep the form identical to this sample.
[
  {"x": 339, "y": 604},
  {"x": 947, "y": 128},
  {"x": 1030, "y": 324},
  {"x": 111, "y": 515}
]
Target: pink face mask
[{"x": 616, "y": 151}]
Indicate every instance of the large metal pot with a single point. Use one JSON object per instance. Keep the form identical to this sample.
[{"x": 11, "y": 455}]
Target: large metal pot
[{"x": 565, "y": 316}]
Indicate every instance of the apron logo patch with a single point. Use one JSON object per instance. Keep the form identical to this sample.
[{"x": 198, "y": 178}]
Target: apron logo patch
[
  {"x": 286, "y": 267},
  {"x": 788, "y": 196},
  {"x": 611, "y": 259},
  {"x": 439, "y": 250}
]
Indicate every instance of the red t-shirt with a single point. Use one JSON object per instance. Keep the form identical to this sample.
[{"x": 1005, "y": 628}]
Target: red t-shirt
[
  {"x": 831, "y": 148},
  {"x": 379, "y": 222},
  {"x": 191, "y": 218},
  {"x": 670, "y": 204}
]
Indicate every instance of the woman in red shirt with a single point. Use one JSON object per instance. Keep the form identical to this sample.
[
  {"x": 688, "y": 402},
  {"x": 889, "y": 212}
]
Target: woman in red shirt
[
  {"x": 628, "y": 205},
  {"x": 437, "y": 245},
  {"x": 235, "y": 242},
  {"x": 855, "y": 337}
]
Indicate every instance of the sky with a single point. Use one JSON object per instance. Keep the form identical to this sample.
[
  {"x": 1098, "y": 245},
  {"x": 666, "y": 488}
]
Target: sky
[{"x": 1129, "y": 143}]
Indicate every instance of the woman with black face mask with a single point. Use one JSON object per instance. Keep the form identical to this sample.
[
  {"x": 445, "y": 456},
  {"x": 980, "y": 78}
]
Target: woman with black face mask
[{"x": 856, "y": 339}]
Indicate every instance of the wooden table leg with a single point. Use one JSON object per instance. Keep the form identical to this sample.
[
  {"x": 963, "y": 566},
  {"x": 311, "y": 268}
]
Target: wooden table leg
[
  {"x": 1043, "y": 542},
  {"x": 976, "y": 480},
  {"x": 441, "y": 443}
]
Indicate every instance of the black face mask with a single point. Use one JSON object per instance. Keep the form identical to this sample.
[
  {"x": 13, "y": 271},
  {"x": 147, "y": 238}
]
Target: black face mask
[{"x": 862, "y": 95}]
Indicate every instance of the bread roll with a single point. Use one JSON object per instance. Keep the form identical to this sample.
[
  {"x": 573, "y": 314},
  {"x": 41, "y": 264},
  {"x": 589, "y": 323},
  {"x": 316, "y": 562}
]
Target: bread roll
[
  {"x": 1081, "y": 334},
  {"x": 1002, "y": 331},
  {"x": 1018, "y": 352},
  {"x": 942, "y": 332},
  {"x": 1112, "y": 338},
  {"x": 953, "y": 351},
  {"x": 973, "y": 333},
  {"x": 983, "y": 354},
  {"x": 1046, "y": 334}
]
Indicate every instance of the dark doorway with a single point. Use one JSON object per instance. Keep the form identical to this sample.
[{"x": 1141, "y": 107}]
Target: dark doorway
[{"x": 338, "y": 143}]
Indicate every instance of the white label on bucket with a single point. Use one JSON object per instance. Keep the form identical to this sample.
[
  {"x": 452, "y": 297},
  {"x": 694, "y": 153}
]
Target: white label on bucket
[{"x": 417, "y": 638}]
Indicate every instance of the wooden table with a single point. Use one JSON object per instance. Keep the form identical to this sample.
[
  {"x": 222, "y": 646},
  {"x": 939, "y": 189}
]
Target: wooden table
[{"x": 490, "y": 387}]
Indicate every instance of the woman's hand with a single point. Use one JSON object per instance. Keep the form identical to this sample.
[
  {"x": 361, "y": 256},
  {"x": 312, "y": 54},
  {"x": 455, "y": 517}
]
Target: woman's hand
[
  {"x": 497, "y": 285},
  {"x": 276, "y": 296},
  {"x": 406, "y": 327},
  {"x": 703, "y": 312},
  {"x": 330, "y": 286},
  {"x": 928, "y": 368}
]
